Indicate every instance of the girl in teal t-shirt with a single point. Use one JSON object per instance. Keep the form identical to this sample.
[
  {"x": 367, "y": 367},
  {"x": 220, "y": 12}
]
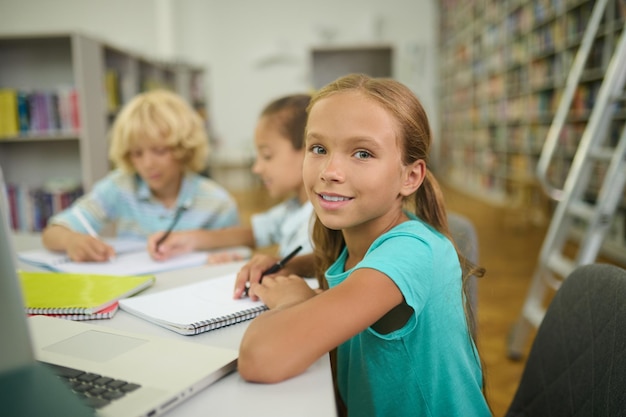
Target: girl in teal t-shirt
[{"x": 393, "y": 305}]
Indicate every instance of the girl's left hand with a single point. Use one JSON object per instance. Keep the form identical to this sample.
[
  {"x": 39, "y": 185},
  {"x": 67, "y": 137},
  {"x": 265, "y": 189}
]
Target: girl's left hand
[{"x": 279, "y": 291}]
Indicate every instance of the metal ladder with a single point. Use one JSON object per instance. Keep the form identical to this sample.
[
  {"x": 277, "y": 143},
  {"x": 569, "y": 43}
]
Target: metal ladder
[{"x": 594, "y": 147}]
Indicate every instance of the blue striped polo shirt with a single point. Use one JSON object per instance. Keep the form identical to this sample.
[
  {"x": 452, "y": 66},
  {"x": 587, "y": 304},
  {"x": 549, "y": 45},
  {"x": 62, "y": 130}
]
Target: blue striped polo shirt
[{"x": 126, "y": 201}]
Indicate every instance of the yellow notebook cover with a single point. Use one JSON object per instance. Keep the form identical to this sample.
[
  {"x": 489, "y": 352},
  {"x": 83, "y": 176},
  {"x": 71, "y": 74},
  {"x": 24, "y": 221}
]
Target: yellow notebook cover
[{"x": 67, "y": 293}]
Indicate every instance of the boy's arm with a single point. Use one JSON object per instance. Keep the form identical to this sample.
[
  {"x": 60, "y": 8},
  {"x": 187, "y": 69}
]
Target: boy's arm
[
  {"x": 79, "y": 247},
  {"x": 181, "y": 242}
]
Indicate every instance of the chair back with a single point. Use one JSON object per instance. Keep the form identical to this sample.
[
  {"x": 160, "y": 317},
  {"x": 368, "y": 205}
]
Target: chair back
[
  {"x": 577, "y": 362},
  {"x": 464, "y": 234}
]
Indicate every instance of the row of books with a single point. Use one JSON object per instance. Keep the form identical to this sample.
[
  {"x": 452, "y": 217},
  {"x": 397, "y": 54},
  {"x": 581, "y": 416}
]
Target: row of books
[
  {"x": 31, "y": 208},
  {"x": 38, "y": 112}
]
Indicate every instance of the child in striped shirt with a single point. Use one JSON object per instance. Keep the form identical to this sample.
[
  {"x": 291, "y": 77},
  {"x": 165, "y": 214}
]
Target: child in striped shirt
[{"x": 159, "y": 146}]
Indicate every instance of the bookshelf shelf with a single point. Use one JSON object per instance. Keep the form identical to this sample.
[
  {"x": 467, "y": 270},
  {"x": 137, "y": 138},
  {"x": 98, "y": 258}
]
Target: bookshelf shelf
[
  {"x": 504, "y": 65},
  {"x": 59, "y": 93},
  {"x": 40, "y": 138}
]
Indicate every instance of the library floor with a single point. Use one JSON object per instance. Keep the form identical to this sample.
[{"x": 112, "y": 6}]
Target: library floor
[{"x": 508, "y": 251}]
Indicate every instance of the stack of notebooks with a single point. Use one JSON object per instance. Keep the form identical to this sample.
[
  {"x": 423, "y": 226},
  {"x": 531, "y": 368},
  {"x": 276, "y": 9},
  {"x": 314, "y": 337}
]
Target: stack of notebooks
[{"x": 78, "y": 296}]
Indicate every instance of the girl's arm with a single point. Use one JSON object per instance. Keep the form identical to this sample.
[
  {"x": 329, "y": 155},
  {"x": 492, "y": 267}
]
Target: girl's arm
[{"x": 299, "y": 329}]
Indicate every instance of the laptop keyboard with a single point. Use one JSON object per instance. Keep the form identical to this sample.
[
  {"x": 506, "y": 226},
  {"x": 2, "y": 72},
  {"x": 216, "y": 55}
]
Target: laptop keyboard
[{"x": 96, "y": 390}]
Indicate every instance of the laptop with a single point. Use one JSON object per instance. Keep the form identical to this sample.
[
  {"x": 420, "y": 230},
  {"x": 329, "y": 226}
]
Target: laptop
[{"x": 157, "y": 373}]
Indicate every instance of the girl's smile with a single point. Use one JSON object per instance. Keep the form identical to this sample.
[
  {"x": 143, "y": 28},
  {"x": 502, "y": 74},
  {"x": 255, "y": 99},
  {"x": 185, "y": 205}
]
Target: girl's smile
[{"x": 329, "y": 201}]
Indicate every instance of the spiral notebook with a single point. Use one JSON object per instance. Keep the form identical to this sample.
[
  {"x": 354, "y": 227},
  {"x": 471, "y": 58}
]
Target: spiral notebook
[
  {"x": 105, "y": 313},
  {"x": 195, "y": 308},
  {"x": 69, "y": 294}
]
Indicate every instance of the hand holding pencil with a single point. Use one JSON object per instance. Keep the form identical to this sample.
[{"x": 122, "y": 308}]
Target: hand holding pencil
[
  {"x": 88, "y": 247},
  {"x": 258, "y": 267},
  {"x": 162, "y": 246}
]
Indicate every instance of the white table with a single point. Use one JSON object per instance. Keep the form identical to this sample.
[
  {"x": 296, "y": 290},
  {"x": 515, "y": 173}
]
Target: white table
[{"x": 310, "y": 394}]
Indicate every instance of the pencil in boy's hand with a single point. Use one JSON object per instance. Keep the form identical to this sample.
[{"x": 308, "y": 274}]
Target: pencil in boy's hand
[
  {"x": 179, "y": 211},
  {"x": 276, "y": 267},
  {"x": 85, "y": 223}
]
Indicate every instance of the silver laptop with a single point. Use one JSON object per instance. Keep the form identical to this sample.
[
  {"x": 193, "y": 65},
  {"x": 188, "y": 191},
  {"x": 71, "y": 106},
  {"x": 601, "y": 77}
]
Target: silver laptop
[{"x": 158, "y": 373}]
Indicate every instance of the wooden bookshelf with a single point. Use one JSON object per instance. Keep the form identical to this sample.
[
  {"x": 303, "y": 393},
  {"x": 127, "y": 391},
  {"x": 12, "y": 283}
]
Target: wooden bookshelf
[
  {"x": 102, "y": 78},
  {"x": 504, "y": 65}
]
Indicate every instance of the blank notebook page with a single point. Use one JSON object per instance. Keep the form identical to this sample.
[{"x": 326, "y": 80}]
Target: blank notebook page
[{"x": 195, "y": 308}]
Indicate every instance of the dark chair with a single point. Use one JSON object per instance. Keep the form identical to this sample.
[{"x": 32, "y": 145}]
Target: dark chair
[{"x": 577, "y": 363}]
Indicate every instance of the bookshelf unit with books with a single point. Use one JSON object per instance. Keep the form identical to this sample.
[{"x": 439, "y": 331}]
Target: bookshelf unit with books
[
  {"x": 59, "y": 93},
  {"x": 504, "y": 65}
]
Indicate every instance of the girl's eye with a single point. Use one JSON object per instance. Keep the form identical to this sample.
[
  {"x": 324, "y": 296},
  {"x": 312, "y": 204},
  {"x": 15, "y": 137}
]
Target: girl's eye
[
  {"x": 317, "y": 149},
  {"x": 135, "y": 154},
  {"x": 362, "y": 154}
]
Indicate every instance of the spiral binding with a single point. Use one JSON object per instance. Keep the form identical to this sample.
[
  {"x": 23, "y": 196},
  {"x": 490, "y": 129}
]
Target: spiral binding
[{"x": 228, "y": 320}]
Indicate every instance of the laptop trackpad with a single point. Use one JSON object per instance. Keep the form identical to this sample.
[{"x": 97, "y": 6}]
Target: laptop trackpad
[{"x": 95, "y": 346}]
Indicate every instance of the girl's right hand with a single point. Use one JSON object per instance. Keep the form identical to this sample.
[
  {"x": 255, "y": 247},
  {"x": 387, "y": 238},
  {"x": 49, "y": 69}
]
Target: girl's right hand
[
  {"x": 85, "y": 248},
  {"x": 252, "y": 272}
]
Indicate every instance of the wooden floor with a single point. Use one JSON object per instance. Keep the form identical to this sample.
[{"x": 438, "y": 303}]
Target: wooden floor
[{"x": 508, "y": 251}]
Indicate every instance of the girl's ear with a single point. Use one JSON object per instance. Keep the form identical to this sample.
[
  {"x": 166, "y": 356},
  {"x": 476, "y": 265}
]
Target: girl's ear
[{"x": 414, "y": 175}]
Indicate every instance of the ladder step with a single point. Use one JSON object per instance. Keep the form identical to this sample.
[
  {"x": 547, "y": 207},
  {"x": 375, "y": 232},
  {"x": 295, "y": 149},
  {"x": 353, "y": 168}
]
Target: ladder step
[
  {"x": 534, "y": 314},
  {"x": 581, "y": 209},
  {"x": 560, "y": 265},
  {"x": 602, "y": 154},
  {"x": 618, "y": 97}
]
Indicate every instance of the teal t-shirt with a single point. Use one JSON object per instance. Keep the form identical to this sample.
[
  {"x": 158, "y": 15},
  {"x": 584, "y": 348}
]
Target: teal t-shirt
[{"x": 430, "y": 366}]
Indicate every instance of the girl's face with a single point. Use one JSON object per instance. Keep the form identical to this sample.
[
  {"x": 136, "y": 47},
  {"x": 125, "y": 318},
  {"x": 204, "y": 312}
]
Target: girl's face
[
  {"x": 277, "y": 163},
  {"x": 156, "y": 165},
  {"x": 353, "y": 169}
]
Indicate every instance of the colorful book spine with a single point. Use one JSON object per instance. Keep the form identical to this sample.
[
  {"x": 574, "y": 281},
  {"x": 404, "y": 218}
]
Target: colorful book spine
[
  {"x": 9, "y": 125},
  {"x": 31, "y": 208},
  {"x": 39, "y": 112}
]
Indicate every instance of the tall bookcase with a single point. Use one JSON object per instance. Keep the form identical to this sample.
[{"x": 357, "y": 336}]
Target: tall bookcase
[
  {"x": 504, "y": 64},
  {"x": 102, "y": 77}
]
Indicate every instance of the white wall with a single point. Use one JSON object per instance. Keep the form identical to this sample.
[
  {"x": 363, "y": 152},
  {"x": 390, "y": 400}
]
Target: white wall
[
  {"x": 129, "y": 24},
  {"x": 254, "y": 50}
]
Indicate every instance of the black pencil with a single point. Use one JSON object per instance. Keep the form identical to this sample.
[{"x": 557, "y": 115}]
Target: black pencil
[
  {"x": 276, "y": 267},
  {"x": 179, "y": 211}
]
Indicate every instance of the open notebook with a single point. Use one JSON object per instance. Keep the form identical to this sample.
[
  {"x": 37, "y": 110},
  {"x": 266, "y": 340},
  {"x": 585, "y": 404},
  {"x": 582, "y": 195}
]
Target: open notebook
[
  {"x": 126, "y": 263},
  {"x": 49, "y": 259},
  {"x": 196, "y": 308}
]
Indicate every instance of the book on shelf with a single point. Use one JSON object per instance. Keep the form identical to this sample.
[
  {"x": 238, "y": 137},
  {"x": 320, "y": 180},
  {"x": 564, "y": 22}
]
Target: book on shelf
[
  {"x": 112, "y": 87},
  {"x": 105, "y": 313},
  {"x": 196, "y": 308},
  {"x": 9, "y": 122},
  {"x": 68, "y": 294}
]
